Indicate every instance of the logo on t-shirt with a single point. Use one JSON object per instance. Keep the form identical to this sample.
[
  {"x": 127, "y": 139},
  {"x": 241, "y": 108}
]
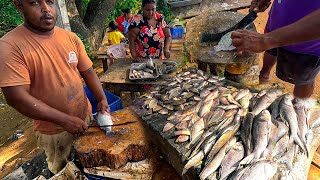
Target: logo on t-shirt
[{"x": 72, "y": 57}]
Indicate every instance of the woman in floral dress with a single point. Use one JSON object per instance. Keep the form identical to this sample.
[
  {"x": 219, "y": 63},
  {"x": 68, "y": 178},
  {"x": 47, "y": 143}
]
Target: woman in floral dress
[{"x": 149, "y": 34}]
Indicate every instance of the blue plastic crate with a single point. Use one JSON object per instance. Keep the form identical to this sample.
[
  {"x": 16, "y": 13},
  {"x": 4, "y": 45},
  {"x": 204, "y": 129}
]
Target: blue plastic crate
[
  {"x": 113, "y": 100},
  {"x": 177, "y": 32},
  {"x": 93, "y": 177}
]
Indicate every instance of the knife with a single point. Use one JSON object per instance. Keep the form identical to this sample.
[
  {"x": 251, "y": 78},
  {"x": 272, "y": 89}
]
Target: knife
[
  {"x": 113, "y": 125},
  {"x": 243, "y": 24}
]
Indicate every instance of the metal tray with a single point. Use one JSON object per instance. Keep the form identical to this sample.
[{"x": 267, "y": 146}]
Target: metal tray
[{"x": 134, "y": 66}]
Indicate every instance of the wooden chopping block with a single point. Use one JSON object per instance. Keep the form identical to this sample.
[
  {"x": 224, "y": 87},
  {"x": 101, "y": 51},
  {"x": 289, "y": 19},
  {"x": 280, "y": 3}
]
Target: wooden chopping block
[{"x": 127, "y": 143}]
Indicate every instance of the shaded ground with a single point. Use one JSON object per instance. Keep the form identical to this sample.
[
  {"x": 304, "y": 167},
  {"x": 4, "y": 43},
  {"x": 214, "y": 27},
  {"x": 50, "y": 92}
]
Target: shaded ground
[{"x": 15, "y": 153}]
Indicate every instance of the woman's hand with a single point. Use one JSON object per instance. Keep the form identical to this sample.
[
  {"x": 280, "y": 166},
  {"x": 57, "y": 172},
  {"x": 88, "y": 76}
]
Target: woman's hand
[{"x": 167, "y": 54}]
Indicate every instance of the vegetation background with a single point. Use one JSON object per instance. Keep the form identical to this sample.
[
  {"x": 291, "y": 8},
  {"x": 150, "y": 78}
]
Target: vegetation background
[{"x": 10, "y": 17}]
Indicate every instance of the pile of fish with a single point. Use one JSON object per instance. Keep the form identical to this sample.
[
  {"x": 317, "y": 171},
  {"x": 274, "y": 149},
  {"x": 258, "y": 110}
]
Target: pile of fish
[
  {"x": 147, "y": 70},
  {"x": 230, "y": 133}
]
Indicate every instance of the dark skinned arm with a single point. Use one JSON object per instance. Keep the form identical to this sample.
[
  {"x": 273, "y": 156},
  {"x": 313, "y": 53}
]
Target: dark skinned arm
[
  {"x": 167, "y": 41},
  {"x": 19, "y": 98},
  {"x": 94, "y": 84},
  {"x": 304, "y": 30},
  {"x": 133, "y": 34}
]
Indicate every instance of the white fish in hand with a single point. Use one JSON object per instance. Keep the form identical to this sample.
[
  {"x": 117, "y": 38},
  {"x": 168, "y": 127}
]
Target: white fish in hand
[{"x": 105, "y": 120}]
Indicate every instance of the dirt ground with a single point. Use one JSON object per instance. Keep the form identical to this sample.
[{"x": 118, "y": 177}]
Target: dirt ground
[{"x": 14, "y": 153}]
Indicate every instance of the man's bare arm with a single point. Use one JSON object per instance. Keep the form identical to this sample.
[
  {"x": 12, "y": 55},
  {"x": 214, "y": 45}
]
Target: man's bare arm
[
  {"x": 304, "y": 30},
  {"x": 19, "y": 98},
  {"x": 94, "y": 84}
]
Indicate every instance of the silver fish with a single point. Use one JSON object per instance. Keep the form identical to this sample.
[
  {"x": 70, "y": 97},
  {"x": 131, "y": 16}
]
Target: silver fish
[
  {"x": 262, "y": 170},
  {"x": 242, "y": 93},
  {"x": 287, "y": 113},
  {"x": 225, "y": 135},
  {"x": 231, "y": 160},
  {"x": 197, "y": 129},
  {"x": 277, "y": 132},
  {"x": 265, "y": 101},
  {"x": 260, "y": 136},
  {"x": 287, "y": 159},
  {"x": 301, "y": 111},
  {"x": 214, "y": 164},
  {"x": 280, "y": 148}
]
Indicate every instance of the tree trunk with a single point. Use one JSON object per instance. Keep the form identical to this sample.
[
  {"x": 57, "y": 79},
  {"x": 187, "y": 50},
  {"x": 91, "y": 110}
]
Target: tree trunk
[
  {"x": 96, "y": 15},
  {"x": 92, "y": 26}
]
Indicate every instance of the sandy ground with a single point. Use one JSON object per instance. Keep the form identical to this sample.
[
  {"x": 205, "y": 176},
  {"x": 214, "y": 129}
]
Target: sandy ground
[{"x": 14, "y": 153}]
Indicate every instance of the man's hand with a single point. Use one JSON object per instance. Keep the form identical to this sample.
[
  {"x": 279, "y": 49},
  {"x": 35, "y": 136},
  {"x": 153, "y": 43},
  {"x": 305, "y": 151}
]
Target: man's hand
[
  {"x": 104, "y": 106},
  {"x": 259, "y": 5},
  {"x": 75, "y": 125},
  {"x": 167, "y": 54},
  {"x": 250, "y": 41}
]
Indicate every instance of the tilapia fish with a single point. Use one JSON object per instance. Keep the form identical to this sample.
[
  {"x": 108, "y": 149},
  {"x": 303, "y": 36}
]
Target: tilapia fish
[{"x": 287, "y": 113}]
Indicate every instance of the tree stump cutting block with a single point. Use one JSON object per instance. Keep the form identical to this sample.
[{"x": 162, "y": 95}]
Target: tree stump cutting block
[{"x": 127, "y": 143}]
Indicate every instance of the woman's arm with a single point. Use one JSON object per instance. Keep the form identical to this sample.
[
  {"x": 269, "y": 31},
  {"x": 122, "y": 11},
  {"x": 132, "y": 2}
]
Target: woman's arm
[
  {"x": 133, "y": 34},
  {"x": 167, "y": 41}
]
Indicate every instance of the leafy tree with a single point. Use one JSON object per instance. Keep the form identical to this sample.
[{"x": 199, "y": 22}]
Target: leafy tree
[{"x": 9, "y": 16}]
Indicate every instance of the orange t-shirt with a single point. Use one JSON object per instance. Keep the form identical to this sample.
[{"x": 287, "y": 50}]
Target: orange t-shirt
[{"x": 50, "y": 65}]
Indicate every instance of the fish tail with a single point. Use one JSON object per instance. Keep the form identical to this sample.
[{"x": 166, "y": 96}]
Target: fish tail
[
  {"x": 184, "y": 171},
  {"x": 303, "y": 147},
  {"x": 247, "y": 160}
]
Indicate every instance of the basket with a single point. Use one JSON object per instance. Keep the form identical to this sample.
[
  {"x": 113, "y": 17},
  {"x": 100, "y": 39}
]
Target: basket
[
  {"x": 117, "y": 50},
  {"x": 113, "y": 100}
]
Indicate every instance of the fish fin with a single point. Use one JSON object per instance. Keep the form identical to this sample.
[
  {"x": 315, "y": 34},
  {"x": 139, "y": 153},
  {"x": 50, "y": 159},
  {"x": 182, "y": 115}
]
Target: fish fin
[
  {"x": 303, "y": 147},
  {"x": 247, "y": 160},
  {"x": 184, "y": 171}
]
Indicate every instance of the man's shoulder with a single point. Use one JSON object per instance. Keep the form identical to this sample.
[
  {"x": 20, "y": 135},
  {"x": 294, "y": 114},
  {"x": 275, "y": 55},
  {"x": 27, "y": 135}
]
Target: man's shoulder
[{"x": 15, "y": 33}]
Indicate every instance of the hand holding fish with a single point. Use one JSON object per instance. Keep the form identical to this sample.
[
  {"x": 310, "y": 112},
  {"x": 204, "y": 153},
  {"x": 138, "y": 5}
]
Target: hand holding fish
[
  {"x": 250, "y": 41},
  {"x": 103, "y": 106}
]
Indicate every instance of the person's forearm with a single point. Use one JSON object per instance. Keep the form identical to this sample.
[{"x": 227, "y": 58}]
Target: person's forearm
[
  {"x": 167, "y": 43},
  {"x": 132, "y": 49},
  {"x": 306, "y": 29},
  {"x": 35, "y": 109},
  {"x": 93, "y": 83}
]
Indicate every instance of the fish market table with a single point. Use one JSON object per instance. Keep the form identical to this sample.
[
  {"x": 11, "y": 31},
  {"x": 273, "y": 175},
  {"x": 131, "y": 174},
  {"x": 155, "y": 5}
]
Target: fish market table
[
  {"x": 116, "y": 78},
  {"x": 173, "y": 129}
]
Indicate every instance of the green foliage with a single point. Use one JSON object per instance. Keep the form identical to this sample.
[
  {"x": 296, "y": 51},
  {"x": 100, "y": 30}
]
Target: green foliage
[
  {"x": 9, "y": 16},
  {"x": 163, "y": 8},
  {"x": 134, "y": 5},
  {"x": 86, "y": 45}
]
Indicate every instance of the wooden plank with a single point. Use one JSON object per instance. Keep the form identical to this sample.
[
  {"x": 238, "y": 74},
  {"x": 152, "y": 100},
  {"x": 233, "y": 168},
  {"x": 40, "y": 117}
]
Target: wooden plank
[{"x": 126, "y": 143}]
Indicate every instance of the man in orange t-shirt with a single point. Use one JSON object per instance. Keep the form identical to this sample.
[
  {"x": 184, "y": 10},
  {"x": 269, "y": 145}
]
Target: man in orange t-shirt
[{"x": 39, "y": 76}]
